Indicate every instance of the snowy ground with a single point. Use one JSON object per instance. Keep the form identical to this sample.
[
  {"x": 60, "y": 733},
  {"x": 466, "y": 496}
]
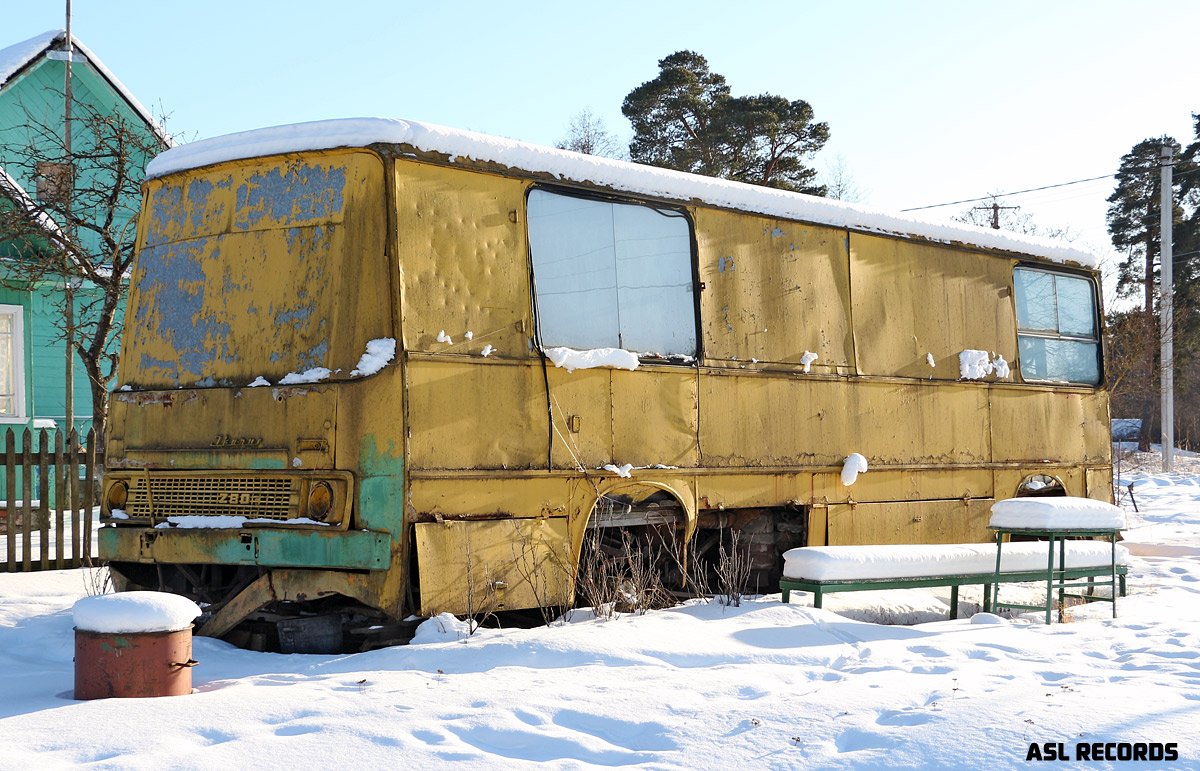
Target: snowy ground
[
  {"x": 695, "y": 687},
  {"x": 1127, "y": 460}
]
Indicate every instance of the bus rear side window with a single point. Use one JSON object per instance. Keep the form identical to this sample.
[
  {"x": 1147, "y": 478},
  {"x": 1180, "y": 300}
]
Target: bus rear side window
[
  {"x": 1057, "y": 330},
  {"x": 612, "y": 275}
]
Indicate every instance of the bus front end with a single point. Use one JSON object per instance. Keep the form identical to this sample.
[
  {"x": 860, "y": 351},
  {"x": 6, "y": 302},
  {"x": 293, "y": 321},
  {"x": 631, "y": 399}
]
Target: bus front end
[{"x": 260, "y": 316}]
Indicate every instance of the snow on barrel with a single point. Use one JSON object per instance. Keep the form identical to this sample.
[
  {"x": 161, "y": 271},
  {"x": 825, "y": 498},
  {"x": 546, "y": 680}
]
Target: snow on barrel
[
  {"x": 132, "y": 612},
  {"x": 135, "y": 644}
]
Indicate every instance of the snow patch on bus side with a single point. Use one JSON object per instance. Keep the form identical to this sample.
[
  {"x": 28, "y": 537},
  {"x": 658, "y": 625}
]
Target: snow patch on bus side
[
  {"x": 379, "y": 353},
  {"x": 571, "y": 359}
]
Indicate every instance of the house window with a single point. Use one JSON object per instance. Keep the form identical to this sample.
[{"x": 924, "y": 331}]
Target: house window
[
  {"x": 612, "y": 275},
  {"x": 12, "y": 364},
  {"x": 1057, "y": 329},
  {"x": 52, "y": 181}
]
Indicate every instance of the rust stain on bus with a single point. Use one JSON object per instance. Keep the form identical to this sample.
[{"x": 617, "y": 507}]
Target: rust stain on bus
[{"x": 165, "y": 398}]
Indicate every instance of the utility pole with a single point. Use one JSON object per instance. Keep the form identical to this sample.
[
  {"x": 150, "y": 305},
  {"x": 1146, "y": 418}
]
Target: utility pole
[
  {"x": 68, "y": 289},
  {"x": 995, "y": 207},
  {"x": 1166, "y": 310}
]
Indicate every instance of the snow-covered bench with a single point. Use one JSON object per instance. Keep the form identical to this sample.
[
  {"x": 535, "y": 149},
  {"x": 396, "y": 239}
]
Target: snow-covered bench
[
  {"x": 826, "y": 569},
  {"x": 1059, "y": 520}
]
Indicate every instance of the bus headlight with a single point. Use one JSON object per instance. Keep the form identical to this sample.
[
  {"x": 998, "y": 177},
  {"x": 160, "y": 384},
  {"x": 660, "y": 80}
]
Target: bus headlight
[
  {"x": 320, "y": 501},
  {"x": 118, "y": 494}
]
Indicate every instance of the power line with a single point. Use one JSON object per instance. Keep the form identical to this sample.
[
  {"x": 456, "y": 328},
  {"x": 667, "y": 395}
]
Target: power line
[
  {"x": 995, "y": 207},
  {"x": 1015, "y": 192},
  {"x": 996, "y": 196}
]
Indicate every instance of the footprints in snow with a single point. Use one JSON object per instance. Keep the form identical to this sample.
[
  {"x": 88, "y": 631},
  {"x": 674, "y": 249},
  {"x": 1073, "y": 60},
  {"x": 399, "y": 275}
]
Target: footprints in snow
[
  {"x": 905, "y": 717},
  {"x": 567, "y": 735},
  {"x": 856, "y": 739}
]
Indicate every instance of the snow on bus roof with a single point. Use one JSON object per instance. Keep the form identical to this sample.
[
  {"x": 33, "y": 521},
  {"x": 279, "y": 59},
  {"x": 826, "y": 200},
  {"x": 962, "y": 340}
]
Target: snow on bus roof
[{"x": 589, "y": 169}]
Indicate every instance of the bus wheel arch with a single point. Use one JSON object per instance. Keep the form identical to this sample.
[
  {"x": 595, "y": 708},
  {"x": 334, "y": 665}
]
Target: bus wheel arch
[
  {"x": 633, "y": 532},
  {"x": 1041, "y": 485}
]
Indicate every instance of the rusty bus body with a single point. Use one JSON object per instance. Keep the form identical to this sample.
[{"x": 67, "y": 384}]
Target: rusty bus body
[{"x": 256, "y": 456}]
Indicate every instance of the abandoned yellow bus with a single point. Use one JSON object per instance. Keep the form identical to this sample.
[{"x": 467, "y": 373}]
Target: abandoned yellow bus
[{"x": 379, "y": 368}]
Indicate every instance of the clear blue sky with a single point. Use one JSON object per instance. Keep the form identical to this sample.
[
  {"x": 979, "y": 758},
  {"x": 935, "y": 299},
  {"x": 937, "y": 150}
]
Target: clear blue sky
[{"x": 927, "y": 102}]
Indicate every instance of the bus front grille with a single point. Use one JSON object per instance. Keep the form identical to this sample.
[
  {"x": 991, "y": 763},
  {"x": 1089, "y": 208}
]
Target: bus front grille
[{"x": 179, "y": 495}]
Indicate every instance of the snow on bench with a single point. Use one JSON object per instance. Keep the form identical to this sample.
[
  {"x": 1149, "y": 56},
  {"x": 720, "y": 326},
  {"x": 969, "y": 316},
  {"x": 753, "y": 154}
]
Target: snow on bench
[
  {"x": 825, "y": 569},
  {"x": 848, "y": 563},
  {"x": 1056, "y": 513},
  {"x": 1060, "y": 519}
]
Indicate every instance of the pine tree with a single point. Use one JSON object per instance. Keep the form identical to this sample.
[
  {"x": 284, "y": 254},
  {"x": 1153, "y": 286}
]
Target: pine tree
[
  {"x": 1134, "y": 220},
  {"x": 1187, "y": 174},
  {"x": 685, "y": 119}
]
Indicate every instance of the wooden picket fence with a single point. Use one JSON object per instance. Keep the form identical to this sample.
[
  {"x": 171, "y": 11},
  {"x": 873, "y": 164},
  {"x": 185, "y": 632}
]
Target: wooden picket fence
[{"x": 48, "y": 496}]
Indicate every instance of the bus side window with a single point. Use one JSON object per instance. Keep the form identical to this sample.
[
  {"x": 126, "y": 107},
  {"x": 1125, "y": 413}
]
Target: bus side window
[
  {"x": 1057, "y": 333},
  {"x": 611, "y": 275}
]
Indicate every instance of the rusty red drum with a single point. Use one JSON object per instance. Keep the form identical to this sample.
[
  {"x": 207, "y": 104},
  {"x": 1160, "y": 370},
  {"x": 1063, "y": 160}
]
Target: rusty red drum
[{"x": 129, "y": 665}]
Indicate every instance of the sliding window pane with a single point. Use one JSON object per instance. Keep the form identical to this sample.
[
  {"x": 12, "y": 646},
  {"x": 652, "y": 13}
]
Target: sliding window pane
[
  {"x": 654, "y": 273},
  {"x": 1076, "y": 307},
  {"x": 1035, "y": 300},
  {"x": 574, "y": 267}
]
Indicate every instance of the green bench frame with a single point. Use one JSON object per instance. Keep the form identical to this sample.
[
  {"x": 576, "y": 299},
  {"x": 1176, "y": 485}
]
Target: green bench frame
[
  {"x": 986, "y": 580},
  {"x": 1058, "y": 578}
]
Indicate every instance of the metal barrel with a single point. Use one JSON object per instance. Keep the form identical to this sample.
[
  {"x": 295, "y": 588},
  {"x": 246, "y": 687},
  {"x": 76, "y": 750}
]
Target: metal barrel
[{"x": 133, "y": 665}]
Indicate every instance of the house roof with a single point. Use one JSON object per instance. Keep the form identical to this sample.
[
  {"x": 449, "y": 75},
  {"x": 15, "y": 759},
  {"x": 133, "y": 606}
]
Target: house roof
[{"x": 16, "y": 58}]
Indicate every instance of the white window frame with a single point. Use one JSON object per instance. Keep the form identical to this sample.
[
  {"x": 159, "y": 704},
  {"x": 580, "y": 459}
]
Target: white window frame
[{"x": 18, "y": 333}]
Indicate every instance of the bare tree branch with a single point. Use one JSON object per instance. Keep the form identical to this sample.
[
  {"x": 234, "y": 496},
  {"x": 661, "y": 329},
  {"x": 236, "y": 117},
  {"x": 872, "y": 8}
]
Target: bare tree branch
[{"x": 79, "y": 228}]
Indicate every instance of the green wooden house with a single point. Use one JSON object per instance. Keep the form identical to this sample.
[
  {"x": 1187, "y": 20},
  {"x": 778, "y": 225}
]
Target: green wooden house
[{"x": 32, "y": 352}]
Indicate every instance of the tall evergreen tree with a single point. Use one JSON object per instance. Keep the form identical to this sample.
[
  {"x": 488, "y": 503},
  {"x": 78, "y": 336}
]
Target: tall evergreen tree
[
  {"x": 672, "y": 115},
  {"x": 1133, "y": 218},
  {"x": 1187, "y": 173},
  {"x": 685, "y": 119},
  {"x": 1134, "y": 223}
]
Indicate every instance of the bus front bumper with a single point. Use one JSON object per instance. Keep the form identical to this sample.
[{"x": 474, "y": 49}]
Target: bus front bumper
[{"x": 294, "y": 548}]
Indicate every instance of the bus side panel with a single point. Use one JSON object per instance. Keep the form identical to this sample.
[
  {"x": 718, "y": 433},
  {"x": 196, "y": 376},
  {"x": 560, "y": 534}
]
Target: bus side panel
[
  {"x": 773, "y": 290},
  {"x": 475, "y": 413},
  {"x": 911, "y": 522},
  {"x": 582, "y": 405},
  {"x": 1099, "y": 483},
  {"x": 913, "y": 299},
  {"x": 655, "y": 416},
  {"x": 1008, "y": 480},
  {"x": 452, "y": 494},
  {"x": 789, "y": 420},
  {"x": 883, "y": 485},
  {"x": 1054, "y": 425},
  {"x": 463, "y": 261},
  {"x": 478, "y": 567},
  {"x": 370, "y": 441}
]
